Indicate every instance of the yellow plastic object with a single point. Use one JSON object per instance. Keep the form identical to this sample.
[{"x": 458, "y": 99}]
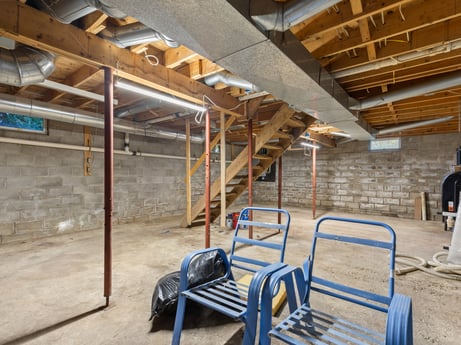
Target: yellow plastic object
[{"x": 278, "y": 299}]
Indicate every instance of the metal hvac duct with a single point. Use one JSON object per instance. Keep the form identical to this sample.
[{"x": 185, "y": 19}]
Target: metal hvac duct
[
  {"x": 133, "y": 34},
  {"x": 33, "y": 108},
  {"x": 272, "y": 15},
  {"x": 136, "y": 108},
  {"x": 413, "y": 125},
  {"x": 66, "y": 11},
  {"x": 230, "y": 80},
  {"x": 442, "y": 82},
  {"x": 25, "y": 66}
]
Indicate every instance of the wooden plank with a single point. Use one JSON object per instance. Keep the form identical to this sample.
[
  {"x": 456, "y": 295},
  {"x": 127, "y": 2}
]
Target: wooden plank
[
  {"x": 423, "y": 15},
  {"x": 176, "y": 56},
  {"x": 418, "y": 210},
  {"x": 277, "y": 121},
  {"x": 32, "y": 27},
  {"x": 94, "y": 22}
]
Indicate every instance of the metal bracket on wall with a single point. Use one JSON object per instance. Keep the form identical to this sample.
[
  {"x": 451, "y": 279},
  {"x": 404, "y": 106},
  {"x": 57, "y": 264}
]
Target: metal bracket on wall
[{"x": 87, "y": 155}]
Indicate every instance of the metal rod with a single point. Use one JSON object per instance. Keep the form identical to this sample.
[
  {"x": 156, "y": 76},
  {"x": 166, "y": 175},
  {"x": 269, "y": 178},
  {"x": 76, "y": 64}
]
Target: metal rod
[
  {"x": 188, "y": 177},
  {"x": 222, "y": 147},
  {"x": 314, "y": 181},
  {"x": 250, "y": 172},
  {"x": 279, "y": 185},
  {"x": 207, "y": 180},
  {"x": 108, "y": 178}
]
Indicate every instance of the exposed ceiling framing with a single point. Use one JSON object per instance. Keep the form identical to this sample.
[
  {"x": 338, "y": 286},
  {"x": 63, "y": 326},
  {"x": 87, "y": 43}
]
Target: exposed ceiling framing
[{"x": 370, "y": 48}]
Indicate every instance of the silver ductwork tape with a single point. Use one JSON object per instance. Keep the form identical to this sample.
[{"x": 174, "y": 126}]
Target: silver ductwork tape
[
  {"x": 271, "y": 15},
  {"x": 134, "y": 34},
  {"x": 66, "y": 11},
  {"x": 231, "y": 80},
  {"x": 25, "y": 66},
  {"x": 23, "y": 106}
]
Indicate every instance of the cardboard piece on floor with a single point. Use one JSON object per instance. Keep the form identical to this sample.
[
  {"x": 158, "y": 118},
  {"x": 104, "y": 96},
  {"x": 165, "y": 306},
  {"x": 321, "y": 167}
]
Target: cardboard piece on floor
[{"x": 278, "y": 299}]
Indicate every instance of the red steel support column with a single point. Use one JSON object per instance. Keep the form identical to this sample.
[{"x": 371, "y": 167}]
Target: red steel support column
[
  {"x": 279, "y": 180},
  {"x": 250, "y": 172},
  {"x": 108, "y": 177},
  {"x": 207, "y": 180},
  {"x": 314, "y": 181}
]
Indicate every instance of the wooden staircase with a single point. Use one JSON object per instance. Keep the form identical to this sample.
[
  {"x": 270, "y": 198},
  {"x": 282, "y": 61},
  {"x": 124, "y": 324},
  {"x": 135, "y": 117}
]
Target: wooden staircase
[{"x": 275, "y": 137}]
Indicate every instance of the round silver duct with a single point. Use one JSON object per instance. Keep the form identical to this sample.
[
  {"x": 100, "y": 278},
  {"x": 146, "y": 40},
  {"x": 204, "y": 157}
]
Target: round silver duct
[
  {"x": 25, "y": 66},
  {"x": 66, "y": 11}
]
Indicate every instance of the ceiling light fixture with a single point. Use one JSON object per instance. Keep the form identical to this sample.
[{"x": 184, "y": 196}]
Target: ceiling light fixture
[
  {"x": 310, "y": 145},
  {"x": 157, "y": 95}
]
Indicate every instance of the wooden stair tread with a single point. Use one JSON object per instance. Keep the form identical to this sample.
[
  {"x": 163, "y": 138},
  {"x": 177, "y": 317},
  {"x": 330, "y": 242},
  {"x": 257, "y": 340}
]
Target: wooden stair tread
[
  {"x": 261, "y": 157},
  {"x": 295, "y": 123},
  {"x": 272, "y": 147}
]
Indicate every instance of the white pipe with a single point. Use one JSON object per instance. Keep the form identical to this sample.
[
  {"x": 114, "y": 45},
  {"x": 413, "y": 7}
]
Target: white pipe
[
  {"x": 73, "y": 90},
  {"x": 84, "y": 148}
]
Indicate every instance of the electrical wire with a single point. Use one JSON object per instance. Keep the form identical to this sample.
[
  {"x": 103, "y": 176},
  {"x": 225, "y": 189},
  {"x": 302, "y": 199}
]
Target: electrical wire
[{"x": 435, "y": 267}]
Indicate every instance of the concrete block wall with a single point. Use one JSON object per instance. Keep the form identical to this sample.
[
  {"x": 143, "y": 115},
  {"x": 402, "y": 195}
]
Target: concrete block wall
[
  {"x": 350, "y": 178},
  {"x": 43, "y": 191}
]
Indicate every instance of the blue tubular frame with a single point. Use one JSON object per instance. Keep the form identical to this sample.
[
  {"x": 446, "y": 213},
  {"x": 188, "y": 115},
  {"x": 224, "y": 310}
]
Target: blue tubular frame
[
  {"x": 306, "y": 325},
  {"x": 356, "y": 292},
  {"x": 244, "y": 222}
]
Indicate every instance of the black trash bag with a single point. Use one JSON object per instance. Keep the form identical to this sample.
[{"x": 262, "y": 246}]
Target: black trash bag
[
  {"x": 203, "y": 268},
  {"x": 165, "y": 295}
]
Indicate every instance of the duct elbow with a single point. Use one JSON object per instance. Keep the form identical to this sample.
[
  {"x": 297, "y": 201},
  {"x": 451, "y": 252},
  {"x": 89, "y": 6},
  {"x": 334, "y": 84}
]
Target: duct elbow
[
  {"x": 25, "y": 66},
  {"x": 231, "y": 80},
  {"x": 134, "y": 34}
]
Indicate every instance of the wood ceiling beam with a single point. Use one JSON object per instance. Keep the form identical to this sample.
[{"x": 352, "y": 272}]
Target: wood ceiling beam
[
  {"x": 75, "y": 79},
  {"x": 321, "y": 139},
  {"x": 176, "y": 56},
  {"x": 420, "y": 39},
  {"x": 29, "y": 26},
  {"x": 357, "y": 8},
  {"x": 344, "y": 17},
  {"x": 416, "y": 66},
  {"x": 419, "y": 16}
]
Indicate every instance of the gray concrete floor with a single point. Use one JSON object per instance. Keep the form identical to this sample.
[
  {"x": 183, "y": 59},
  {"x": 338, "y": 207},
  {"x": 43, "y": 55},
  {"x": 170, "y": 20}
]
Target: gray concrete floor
[{"x": 51, "y": 289}]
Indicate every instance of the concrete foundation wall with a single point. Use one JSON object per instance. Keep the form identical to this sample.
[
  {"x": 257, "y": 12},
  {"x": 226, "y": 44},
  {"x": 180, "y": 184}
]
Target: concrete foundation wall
[
  {"x": 43, "y": 191},
  {"x": 350, "y": 178}
]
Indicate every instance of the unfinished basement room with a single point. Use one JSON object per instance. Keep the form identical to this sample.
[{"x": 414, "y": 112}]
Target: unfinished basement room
[{"x": 230, "y": 172}]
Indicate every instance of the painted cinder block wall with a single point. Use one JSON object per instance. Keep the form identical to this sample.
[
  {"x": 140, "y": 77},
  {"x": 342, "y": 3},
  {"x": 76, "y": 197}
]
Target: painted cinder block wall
[
  {"x": 350, "y": 178},
  {"x": 43, "y": 191}
]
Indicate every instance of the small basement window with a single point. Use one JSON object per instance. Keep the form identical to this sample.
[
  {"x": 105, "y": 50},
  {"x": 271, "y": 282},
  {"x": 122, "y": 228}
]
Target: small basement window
[{"x": 384, "y": 144}]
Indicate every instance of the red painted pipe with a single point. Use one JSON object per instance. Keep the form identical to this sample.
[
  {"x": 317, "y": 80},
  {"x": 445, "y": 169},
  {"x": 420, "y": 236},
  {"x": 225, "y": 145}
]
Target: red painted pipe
[
  {"x": 279, "y": 180},
  {"x": 314, "y": 181},
  {"x": 250, "y": 172},
  {"x": 207, "y": 181},
  {"x": 108, "y": 178}
]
